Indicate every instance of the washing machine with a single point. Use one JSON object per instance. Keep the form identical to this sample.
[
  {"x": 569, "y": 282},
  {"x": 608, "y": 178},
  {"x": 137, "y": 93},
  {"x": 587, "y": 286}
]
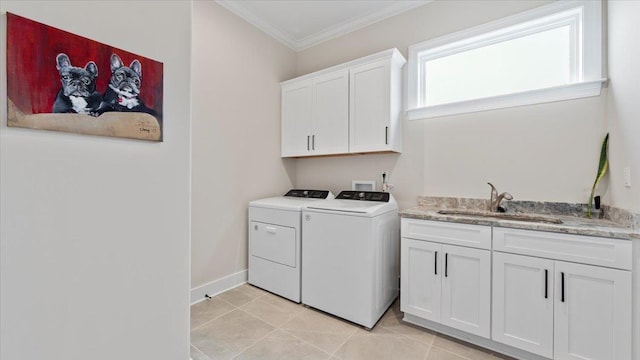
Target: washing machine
[
  {"x": 274, "y": 241},
  {"x": 350, "y": 253}
]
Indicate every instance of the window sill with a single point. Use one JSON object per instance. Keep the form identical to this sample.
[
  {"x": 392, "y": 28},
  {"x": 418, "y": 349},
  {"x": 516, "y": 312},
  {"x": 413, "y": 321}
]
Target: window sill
[{"x": 558, "y": 93}]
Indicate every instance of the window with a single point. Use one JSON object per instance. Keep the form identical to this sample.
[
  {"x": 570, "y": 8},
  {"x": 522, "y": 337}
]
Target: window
[{"x": 550, "y": 53}]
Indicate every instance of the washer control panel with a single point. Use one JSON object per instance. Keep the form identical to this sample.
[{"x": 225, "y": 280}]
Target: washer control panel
[
  {"x": 313, "y": 194},
  {"x": 364, "y": 195}
]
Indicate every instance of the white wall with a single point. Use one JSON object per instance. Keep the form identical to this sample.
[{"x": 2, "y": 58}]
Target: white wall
[
  {"x": 544, "y": 152},
  {"x": 94, "y": 231},
  {"x": 623, "y": 107},
  {"x": 236, "y": 138}
]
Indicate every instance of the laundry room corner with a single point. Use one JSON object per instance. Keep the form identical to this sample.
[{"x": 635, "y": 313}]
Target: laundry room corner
[{"x": 236, "y": 117}]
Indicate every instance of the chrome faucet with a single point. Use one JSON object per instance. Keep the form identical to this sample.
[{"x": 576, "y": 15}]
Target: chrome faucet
[{"x": 497, "y": 199}]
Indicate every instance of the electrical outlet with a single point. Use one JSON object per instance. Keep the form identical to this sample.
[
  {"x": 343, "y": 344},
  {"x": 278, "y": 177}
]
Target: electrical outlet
[{"x": 627, "y": 176}]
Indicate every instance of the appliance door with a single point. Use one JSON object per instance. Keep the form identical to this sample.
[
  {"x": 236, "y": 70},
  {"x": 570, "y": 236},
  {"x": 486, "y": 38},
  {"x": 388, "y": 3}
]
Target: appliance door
[
  {"x": 337, "y": 270},
  {"x": 273, "y": 242}
]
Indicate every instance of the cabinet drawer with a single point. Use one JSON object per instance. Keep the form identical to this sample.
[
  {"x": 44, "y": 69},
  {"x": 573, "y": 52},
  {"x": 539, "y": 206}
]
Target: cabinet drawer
[
  {"x": 592, "y": 250},
  {"x": 476, "y": 236}
]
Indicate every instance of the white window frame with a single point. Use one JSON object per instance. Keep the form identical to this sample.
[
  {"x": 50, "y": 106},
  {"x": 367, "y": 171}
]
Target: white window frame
[{"x": 584, "y": 17}]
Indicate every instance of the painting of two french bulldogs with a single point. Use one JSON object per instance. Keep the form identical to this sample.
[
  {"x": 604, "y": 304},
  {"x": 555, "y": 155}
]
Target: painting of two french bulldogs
[
  {"x": 78, "y": 93},
  {"x": 59, "y": 81}
]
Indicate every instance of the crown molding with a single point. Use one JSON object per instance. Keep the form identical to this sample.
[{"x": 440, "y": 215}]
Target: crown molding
[
  {"x": 346, "y": 27},
  {"x": 253, "y": 19},
  {"x": 357, "y": 23}
]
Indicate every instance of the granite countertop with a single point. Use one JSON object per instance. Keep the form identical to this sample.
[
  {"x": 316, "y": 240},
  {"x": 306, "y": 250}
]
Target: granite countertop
[{"x": 572, "y": 221}]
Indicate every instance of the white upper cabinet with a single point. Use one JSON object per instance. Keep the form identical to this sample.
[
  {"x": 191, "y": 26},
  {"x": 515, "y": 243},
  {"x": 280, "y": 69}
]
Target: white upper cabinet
[
  {"x": 349, "y": 108},
  {"x": 374, "y": 115},
  {"x": 330, "y": 133},
  {"x": 296, "y": 118},
  {"x": 315, "y": 116}
]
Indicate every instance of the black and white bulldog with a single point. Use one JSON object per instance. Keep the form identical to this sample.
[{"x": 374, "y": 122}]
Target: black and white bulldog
[
  {"x": 124, "y": 88},
  {"x": 78, "y": 93}
]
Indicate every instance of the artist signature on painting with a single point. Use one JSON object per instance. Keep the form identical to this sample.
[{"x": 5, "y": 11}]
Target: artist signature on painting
[{"x": 144, "y": 129}]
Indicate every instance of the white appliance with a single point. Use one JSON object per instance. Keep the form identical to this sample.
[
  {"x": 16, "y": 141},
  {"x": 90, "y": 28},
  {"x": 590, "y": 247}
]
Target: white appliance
[
  {"x": 274, "y": 241},
  {"x": 350, "y": 255}
]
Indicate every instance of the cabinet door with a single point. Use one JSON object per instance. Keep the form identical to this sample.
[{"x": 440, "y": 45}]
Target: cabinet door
[
  {"x": 592, "y": 314},
  {"x": 420, "y": 278},
  {"x": 296, "y": 119},
  {"x": 330, "y": 133},
  {"x": 466, "y": 289},
  {"x": 369, "y": 118},
  {"x": 523, "y": 303}
]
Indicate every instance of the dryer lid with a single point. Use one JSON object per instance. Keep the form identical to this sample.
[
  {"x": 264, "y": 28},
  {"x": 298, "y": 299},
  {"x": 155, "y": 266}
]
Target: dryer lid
[{"x": 294, "y": 202}]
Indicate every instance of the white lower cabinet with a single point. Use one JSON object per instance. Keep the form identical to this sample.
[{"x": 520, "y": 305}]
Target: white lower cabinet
[
  {"x": 420, "y": 279},
  {"x": 541, "y": 303},
  {"x": 523, "y": 302},
  {"x": 447, "y": 284},
  {"x": 466, "y": 290},
  {"x": 592, "y": 317},
  {"x": 561, "y": 310}
]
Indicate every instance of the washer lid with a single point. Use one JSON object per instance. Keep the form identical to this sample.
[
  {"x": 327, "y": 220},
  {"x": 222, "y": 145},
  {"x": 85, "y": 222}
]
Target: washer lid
[{"x": 355, "y": 207}]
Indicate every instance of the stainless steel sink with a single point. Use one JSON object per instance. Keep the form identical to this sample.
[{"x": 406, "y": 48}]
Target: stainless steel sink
[{"x": 503, "y": 216}]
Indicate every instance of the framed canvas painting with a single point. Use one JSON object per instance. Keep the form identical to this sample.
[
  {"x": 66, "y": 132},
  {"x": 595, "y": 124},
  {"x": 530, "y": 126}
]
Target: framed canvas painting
[{"x": 65, "y": 82}]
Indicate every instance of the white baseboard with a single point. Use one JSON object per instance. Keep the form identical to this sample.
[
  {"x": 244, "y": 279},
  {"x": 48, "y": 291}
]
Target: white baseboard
[{"x": 216, "y": 287}]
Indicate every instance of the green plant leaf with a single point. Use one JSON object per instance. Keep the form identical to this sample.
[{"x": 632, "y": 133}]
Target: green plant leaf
[{"x": 602, "y": 169}]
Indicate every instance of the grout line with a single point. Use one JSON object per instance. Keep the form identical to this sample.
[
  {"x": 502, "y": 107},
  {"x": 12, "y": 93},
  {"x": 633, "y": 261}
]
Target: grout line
[
  {"x": 252, "y": 345},
  {"x": 288, "y": 331},
  {"x": 344, "y": 342},
  {"x": 304, "y": 341},
  {"x": 433, "y": 341},
  {"x": 221, "y": 299},
  {"x": 217, "y": 317},
  {"x": 201, "y": 352}
]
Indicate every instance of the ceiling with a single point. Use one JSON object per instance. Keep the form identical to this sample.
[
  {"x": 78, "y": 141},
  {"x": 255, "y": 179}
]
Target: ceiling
[{"x": 300, "y": 24}]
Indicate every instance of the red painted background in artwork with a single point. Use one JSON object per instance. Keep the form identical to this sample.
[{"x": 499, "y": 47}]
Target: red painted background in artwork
[{"x": 33, "y": 79}]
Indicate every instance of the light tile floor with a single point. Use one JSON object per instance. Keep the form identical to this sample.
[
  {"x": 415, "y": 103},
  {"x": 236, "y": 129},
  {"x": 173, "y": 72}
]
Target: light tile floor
[{"x": 250, "y": 323}]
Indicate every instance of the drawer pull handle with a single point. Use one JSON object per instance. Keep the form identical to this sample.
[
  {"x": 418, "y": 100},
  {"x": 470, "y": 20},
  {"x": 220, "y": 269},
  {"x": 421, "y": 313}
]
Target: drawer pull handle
[
  {"x": 386, "y": 135},
  {"x": 271, "y": 229},
  {"x": 308, "y": 137},
  {"x": 562, "y": 286},
  {"x": 546, "y": 283},
  {"x": 435, "y": 261},
  {"x": 446, "y": 264}
]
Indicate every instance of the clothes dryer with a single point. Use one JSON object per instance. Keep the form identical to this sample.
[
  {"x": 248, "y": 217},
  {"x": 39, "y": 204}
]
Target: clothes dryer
[{"x": 275, "y": 241}]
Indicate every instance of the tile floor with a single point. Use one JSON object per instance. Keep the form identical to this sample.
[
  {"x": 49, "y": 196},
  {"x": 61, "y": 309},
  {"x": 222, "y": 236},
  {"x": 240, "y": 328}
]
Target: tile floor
[{"x": 250, "y": 323}]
